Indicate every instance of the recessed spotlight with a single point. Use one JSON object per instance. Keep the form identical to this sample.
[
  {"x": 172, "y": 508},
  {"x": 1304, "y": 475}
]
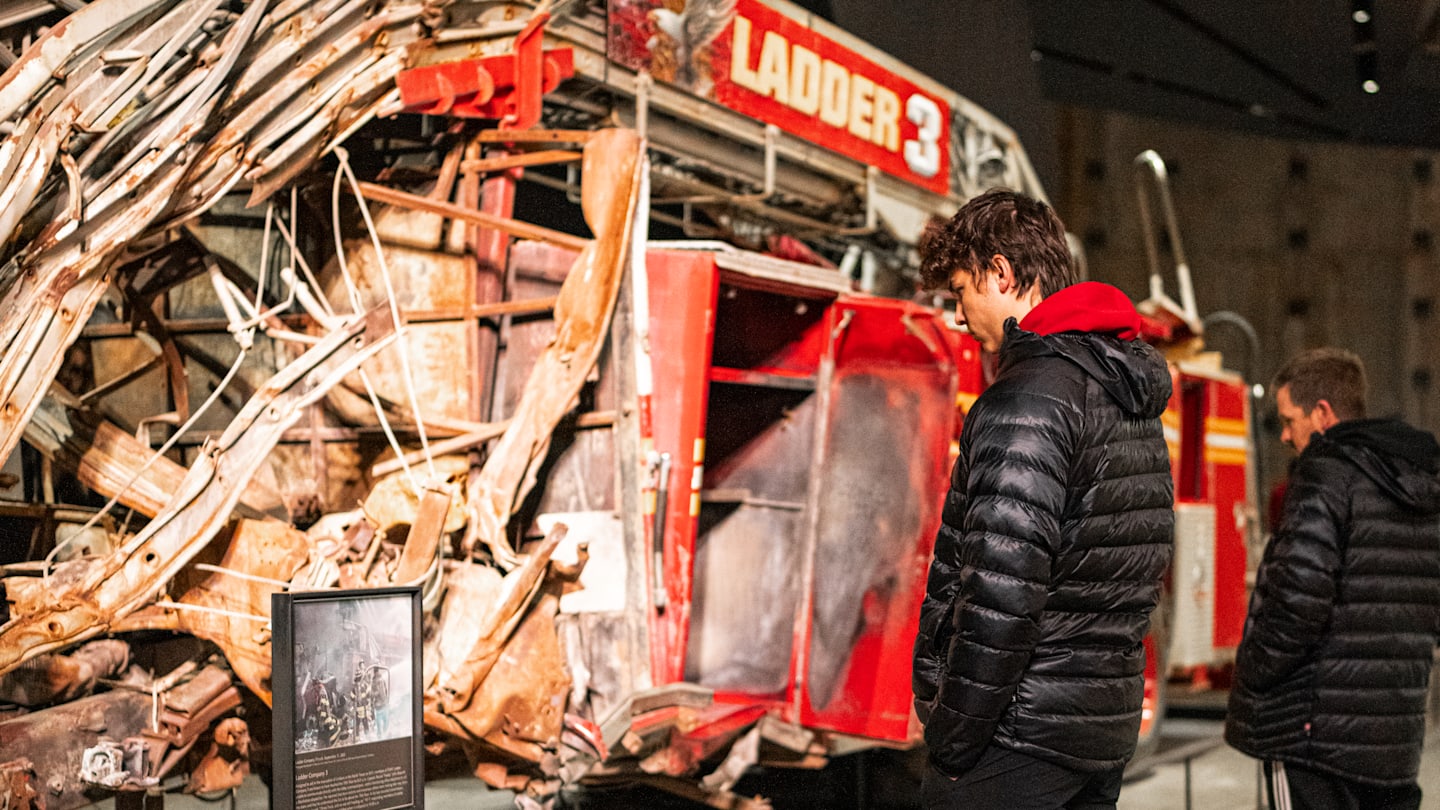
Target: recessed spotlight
[
  {"x": 1370, "y": 86},
  {"x": 1360, "y": 16}
]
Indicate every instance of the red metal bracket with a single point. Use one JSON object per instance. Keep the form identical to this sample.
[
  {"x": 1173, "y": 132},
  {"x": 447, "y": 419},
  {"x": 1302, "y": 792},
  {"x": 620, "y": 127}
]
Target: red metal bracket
[{"x": 505, "y": 87}]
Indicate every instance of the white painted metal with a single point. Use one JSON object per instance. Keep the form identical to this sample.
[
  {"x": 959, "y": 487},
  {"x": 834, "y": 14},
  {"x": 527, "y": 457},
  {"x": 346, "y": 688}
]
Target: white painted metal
[{"x": 1192, "y": 623}]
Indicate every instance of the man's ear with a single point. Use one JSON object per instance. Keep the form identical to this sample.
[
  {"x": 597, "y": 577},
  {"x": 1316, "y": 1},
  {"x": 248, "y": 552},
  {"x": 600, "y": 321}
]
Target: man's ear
[
  {"x": 1325, "y": 417},
  {"x": 1004, "y": 272}
]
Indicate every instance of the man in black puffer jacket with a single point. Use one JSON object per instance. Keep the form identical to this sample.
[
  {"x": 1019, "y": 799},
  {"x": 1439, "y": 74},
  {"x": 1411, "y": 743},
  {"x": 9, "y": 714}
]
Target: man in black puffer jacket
[
  {"x": 1332, "y": 673},
  {"x": 1056, "y": 532}
]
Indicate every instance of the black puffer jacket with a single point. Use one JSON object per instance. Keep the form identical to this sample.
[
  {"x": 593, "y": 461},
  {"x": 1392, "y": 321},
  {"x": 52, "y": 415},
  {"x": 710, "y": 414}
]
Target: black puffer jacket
[
  {"x": 1055, "y": 534},
  {"x": 1335, "y": 662}
]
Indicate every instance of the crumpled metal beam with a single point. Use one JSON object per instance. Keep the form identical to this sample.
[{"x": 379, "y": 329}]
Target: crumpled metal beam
[
  {"x": 227, "y": 587},
  {"x": 89, "y": 595},
  {"x": 105, "y": 458},
  {"x": 78, "y": 34},
  {"x": 103, "y": 153},
  {"x": 516, "y": 707},
  {"x": 55, "y": 678},
  {"x": 161, "y": 173},
  {"x": 610, "y": 185},
  {"x": 457, "y": 680}
]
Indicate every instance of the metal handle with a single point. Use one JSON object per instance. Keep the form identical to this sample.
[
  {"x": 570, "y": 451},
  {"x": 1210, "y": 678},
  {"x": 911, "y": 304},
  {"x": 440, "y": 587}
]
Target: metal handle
[
  {"x": 662, "y": 506},
  {"x": 1149, "y": 163}
]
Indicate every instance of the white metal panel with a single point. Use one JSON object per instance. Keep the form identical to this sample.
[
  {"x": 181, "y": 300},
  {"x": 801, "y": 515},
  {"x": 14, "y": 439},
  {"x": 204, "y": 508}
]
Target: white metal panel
[
  {"x": 1192, "y": 624},
  {"x": 601, "y": 587}
]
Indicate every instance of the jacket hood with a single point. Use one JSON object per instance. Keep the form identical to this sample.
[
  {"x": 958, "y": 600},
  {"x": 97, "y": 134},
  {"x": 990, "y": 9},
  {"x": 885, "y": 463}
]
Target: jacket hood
[
  {"x": 1093, "y": 325},
  {"x": 1085, "y": 307},
  {"x": 1401, "y": 460}
]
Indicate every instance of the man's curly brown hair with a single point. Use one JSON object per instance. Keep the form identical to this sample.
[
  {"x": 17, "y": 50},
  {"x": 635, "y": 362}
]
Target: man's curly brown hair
[{"x": 1022, "y": 229}]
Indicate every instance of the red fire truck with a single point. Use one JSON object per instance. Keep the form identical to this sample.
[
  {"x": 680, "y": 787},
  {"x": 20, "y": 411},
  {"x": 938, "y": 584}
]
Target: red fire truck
[
  {"x": 754, "y": 468},
  {"x": 796, "y": 427}
]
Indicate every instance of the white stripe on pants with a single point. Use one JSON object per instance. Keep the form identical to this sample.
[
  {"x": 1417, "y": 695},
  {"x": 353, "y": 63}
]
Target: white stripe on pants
[{"x": 1279, "y": 786}]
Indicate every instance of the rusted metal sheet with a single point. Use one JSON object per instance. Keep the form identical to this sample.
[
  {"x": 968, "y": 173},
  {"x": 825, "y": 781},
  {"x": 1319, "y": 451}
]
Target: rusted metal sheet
[
  {"x": 456, "y": 681},
  {"x": 226, "y": 763},
  {"x": 421, "y": 281},
  {"x": 104, "y": 457},
  {"x": 228, "y": 584},
  {"x": 101, "y": 158},
  {"x": 18, "y": 785},
  {"x": 612, "y": 168},
  {"x": 55, "y": 740},
  {"x": 99, "y": 591},
  {"x": 515, "y": 708},
  {"x": 56, "y": 678},
  {"x": 422, "y": 543}
]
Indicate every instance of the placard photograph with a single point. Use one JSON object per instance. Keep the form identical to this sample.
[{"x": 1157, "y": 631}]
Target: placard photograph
[{"x": 347, "y": 710}]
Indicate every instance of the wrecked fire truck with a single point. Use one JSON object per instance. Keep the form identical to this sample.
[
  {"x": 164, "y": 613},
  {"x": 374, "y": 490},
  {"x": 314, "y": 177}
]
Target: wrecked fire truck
[{"x": 596, "y": 322}]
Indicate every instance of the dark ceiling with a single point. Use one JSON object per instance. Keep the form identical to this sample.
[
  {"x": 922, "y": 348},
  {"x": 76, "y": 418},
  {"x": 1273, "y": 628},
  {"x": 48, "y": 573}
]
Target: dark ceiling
[
  {"x": 1289, "y": 68},
  {"x": 1292, "y": 69}
]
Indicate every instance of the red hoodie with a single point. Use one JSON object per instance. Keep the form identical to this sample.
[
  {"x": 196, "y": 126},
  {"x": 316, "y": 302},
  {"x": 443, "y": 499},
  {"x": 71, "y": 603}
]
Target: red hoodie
[{"x": 1085, "y": 307}]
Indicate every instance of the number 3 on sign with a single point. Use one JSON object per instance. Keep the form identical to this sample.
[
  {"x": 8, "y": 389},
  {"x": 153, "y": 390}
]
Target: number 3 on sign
[{"x": 922, "y": 154}]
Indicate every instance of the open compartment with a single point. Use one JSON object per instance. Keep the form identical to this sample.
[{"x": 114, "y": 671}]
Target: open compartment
[{"x": 760, "y": 430}]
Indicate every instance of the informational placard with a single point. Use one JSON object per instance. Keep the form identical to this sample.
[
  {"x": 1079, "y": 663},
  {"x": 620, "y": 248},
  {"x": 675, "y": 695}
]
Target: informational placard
[{"x": 345, "y": 677}]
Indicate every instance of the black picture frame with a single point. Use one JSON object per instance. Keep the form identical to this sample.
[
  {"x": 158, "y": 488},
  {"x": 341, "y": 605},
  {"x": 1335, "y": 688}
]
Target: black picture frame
[{"x": 346, "y": 673}]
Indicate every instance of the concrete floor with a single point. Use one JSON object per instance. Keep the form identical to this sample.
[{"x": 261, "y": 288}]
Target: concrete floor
[
  {"x": 1222, "y": 778},
  {"x": 1218, "y": 778}
]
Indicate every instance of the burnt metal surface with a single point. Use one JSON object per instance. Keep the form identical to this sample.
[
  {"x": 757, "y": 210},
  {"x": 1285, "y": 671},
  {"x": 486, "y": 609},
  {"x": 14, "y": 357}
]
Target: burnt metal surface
[
  {"x": 748, "y": 562},
  {"x": 294, "y": 339},
  {"x": 55, "y": 741},
  {"x": 90, "y": 594},
  {"x": 125, "y": 738},
  {"x": 868, "y": 518}
]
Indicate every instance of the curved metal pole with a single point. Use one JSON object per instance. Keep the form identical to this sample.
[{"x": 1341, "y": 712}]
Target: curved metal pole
[
  {"x": 1252, "y": 340},
  {"x": 1149, "y": 163}
]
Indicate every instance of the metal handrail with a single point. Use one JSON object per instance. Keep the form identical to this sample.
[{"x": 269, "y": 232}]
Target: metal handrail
[{"x": 1149, "y": 163}]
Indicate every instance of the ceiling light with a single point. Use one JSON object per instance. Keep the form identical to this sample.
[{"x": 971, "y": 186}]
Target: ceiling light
[
  {"x": 1360, "y": 16},
  {"x": 1370, "y": 86}
]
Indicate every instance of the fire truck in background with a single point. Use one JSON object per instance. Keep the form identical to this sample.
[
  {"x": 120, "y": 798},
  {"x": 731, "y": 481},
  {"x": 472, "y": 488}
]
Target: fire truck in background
[
  {"x": 800, "y": 419},
  {"x": 755, "y": 467},
  {"x": 1210, "y": 432}
]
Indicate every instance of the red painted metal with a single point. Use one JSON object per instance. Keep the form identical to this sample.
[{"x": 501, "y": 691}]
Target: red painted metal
[
  {"x": 494, "y": 195},
  {"x": 1215, "y": 421},
  {"x": 682, "y": 287},
  {"x": 706, "y": 732},
  {"x": 969, "y": 375},
  {"x": 856, "y": 106},
  {"x": 488, "y": 88},
  {"x": 1226, "y": 429},
  {"x": 1172, "y": 420},
  {"x": 458, "y": 88},
  {"x": 1151, "y": 706},
  {"x": 773, "y": 68},
  {"x": 899, "y": 359},
  {"x": 528, "y": 72},
  {"x": 717, "y": 328}
]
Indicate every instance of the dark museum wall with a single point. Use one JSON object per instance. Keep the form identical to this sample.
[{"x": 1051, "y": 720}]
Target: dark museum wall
[{"x": 1311, "y": 242}]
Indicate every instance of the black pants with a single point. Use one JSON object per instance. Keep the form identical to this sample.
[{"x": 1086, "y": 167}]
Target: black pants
[
  {"x": 1008, "y": 780},
  {"x": 1291, "y": 787}
]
